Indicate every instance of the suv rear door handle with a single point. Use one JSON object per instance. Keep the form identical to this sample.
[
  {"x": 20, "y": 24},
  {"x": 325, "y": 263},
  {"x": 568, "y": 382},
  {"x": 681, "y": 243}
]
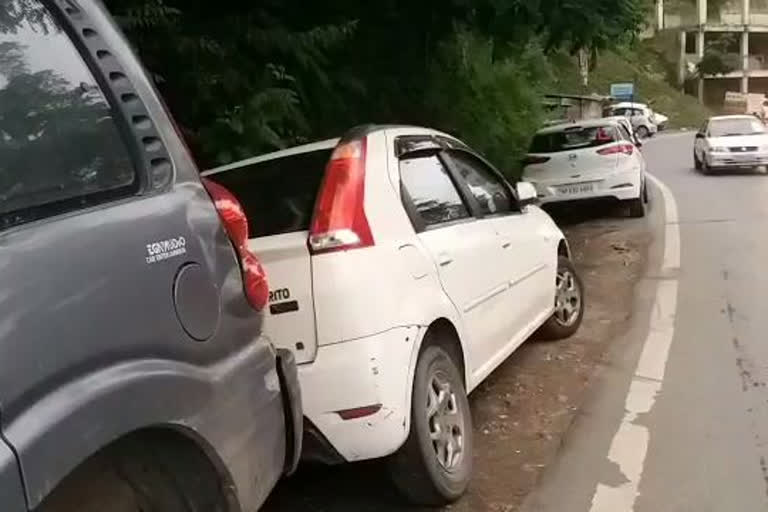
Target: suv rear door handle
[{"x": 443, "y": 259}]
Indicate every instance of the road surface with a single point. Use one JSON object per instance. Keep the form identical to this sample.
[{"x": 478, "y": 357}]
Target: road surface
[{"x": 678, "y": 419}]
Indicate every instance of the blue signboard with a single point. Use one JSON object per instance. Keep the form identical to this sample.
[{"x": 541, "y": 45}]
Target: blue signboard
[{"x": 624, "y": 91}]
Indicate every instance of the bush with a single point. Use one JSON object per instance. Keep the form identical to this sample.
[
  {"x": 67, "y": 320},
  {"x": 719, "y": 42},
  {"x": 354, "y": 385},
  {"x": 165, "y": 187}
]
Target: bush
[{"x": 494, "y": 105}]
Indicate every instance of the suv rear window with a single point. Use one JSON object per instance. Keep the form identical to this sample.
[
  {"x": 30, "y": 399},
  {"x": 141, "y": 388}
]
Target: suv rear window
[
  {"x": 571, "y": 138},
  {"x": 278, "y": 195},
  {"x": 60, "y": 147}
]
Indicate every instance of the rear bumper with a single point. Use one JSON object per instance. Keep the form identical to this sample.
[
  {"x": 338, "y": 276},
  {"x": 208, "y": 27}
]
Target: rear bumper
[
  {"x": 373, "y": 372},
  {"x": 619, "y": 186}
]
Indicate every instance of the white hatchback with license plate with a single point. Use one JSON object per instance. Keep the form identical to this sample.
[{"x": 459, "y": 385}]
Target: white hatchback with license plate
[
  {"x": 575, "y": 189},
  {"x": 414, "y": 274},
  {"x": 595, "y": 159}
]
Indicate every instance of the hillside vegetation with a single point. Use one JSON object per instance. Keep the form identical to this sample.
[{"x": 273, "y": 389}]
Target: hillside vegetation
[
  {"x": 643, "y": 64},
  {"x": 250, "y": 77}
]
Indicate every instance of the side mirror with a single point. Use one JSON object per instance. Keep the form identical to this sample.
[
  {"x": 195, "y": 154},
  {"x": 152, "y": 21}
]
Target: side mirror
[
  {"x": 699, "y": 135},
  {"x": 526, "y": 194}
]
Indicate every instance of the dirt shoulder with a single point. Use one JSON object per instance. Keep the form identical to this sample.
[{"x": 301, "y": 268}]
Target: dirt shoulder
[{"x": 523, "y": 409}]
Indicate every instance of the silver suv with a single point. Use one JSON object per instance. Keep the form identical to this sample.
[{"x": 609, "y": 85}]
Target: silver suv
[{"x": 133, "y": 372}]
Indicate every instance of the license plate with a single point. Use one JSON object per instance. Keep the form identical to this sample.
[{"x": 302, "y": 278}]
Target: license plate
[{"x": 579, "y": 188}]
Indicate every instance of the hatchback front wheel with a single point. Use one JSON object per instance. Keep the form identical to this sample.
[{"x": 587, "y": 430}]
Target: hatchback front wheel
[{"x": 569, "y": 303}]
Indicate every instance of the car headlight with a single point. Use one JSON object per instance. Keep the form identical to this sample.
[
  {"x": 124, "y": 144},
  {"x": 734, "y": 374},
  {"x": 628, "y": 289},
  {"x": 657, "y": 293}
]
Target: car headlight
[{"x": 719, "y": 149}]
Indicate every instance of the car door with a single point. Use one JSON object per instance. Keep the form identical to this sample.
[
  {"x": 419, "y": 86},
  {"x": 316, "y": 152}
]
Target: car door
[
  {"x": 525, "y": 252},
  {"x": 466, "y": 252}
]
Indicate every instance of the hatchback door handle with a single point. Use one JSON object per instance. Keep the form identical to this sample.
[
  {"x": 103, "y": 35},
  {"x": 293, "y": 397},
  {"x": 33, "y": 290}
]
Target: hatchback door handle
[
  {"x": 505, "y": 244},
  {"x": 444, "y": 260}
]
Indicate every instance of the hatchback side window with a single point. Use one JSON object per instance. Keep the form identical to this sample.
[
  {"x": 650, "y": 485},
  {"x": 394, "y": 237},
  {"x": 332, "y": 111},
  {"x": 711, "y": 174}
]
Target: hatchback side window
[
  {"x": 490, "y": 192},
  {"x": 60, "y": 149},
  {"x": 431, "y": 191}
]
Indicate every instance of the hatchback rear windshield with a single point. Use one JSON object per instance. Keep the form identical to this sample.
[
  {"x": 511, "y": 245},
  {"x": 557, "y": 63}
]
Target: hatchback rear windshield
[
  {"x": 735, "y": 126},
  {"x": 278, "y": 196},
  {"x": 571, "y": 138}
]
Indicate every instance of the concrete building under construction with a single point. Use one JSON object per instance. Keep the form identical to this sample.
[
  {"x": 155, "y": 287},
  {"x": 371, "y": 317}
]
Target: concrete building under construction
[{"x": 739, "y": 28}]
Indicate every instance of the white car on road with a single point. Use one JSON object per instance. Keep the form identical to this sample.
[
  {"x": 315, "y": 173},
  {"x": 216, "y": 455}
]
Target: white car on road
[
  {"x": 730, "y": 142},
  {"x": 419, "y": 272},
  {"x": 640, "y": 115},
  {"x": 587, "y": 160}
]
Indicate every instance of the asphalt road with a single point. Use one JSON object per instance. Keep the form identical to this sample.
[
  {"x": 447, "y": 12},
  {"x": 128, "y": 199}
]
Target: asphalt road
[{"x": 678, "y": 418}]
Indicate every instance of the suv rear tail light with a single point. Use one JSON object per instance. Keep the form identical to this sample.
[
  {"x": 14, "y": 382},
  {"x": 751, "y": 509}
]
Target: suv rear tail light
[
  {"x": 339, "y": 222},
  {"x": 236, "y": 224},
  {"x": 533, "y": 159},
  {"x": 627, "y": 149}
]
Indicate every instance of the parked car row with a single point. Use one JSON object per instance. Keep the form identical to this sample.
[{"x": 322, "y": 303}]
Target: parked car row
[{"x": 176, "y": 342}]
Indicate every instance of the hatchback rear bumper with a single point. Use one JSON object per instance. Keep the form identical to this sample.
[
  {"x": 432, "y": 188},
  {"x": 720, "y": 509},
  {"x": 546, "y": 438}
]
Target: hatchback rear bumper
[
  {"x": 356, "y": 394},
  {"x": 619, "y": 186}
]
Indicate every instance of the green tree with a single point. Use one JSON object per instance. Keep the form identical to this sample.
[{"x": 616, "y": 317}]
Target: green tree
[{"x": 248, "y": 77}]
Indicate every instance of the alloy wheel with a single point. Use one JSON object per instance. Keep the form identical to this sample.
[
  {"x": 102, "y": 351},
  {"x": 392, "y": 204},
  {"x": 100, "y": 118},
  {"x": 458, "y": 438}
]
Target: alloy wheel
[
  {"x": 567, "y": 298},
  {"x": 446, "y": 424}
]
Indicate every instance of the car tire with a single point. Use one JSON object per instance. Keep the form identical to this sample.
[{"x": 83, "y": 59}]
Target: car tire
[
  {"x": 569, "y": 290},
  {"x": 423, "y": 470},
  {"x": 636, "y": 207},
  {"x": 131, "y": 477},
  {"x": 646, "y": 197},
  {"x": 642, "y": 132},
  {"x": 696, "y": 162},
  {"x": 705, "y": 170}
]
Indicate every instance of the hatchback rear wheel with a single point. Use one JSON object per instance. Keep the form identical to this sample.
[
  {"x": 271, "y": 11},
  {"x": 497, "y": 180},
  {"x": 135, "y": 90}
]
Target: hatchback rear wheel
[{"x": 434, "y": 465}]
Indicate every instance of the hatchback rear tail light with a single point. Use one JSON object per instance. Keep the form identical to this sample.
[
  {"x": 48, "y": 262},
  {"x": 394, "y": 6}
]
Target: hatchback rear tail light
[
  {"x": 236, "y": 225},
  {"x": 627, "y": 149},
  {"x": 339, "y": 222},
  {"x": 534, "y": 159}
]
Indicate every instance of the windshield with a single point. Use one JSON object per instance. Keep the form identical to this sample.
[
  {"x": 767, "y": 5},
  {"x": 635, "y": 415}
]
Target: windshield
[
  {"x": 735, "y": 126},
  {"x": 576, "y": 137}
]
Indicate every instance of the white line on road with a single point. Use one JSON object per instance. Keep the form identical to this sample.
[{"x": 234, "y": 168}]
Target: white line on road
[{"x": 630, "y": 444}]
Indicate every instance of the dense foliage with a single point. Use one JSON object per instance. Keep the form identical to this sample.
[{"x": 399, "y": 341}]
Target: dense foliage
[{"x": 247, "y": 77}]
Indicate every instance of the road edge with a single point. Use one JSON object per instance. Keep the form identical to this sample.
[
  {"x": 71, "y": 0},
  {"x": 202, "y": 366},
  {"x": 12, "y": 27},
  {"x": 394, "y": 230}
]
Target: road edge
[{"x": 629, "y": 446}]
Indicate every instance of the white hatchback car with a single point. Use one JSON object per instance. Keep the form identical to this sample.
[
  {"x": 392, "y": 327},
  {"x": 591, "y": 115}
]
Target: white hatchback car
[
  {"x": 640, "y": 115},
  {"x": 730, "y": 142},
  {"x": 419, "y": 272},
  {"x": 588, "y": 160}
]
